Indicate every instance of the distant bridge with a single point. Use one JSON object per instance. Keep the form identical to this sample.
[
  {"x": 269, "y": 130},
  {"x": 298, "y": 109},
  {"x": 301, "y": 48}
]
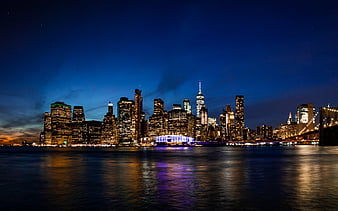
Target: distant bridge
[
  {"x": 326, "y": 131},
  {"x": 328, "y": 126}
]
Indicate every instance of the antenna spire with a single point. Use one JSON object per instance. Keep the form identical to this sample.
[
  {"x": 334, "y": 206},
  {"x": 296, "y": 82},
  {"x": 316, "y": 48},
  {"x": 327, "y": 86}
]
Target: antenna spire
[{"x": 199, "y": 86}]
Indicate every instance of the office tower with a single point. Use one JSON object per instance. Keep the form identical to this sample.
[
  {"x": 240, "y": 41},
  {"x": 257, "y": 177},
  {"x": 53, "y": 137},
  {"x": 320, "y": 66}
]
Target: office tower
[
  {"x": 136, "y": 124},
  {"x": 289, "y": 121},
  {"x": 59, "y": 120},
  {"x": 227, "y": 122},
  {"x": 187, "y": 106},
  {"x": 144, "y": 126},
  {"x": 78, "y": 114},
  {"x": 92, "y": 132},
  {"x": 177, "y": 121},
  {"x": 125, "y": 119},
  {"x": 199, "y": 99},
  {"x": 305, "y": 117},
  {"x": 158, "y": 122},
  {"x": 46, "y": 135},
  {"x": 204, "y": 116},
  {"x": 77, "y": 121},
  {"x": 239, "y": 117},
  {"x": 109, "y": 127},
  {"x": 212, "y": 121},
  {"x": 158, "y": 107},
  {"x": 264, "y": 132}
]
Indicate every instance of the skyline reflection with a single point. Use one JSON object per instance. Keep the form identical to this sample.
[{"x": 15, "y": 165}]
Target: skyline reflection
[{"x": 258, "y": 178}]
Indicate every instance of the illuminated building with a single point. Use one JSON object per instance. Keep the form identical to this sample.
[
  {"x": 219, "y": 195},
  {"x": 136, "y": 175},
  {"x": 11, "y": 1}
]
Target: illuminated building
[
  {"x": 227, "y": 123},
  {"x": 187, "y": 106},
  {"x": 144, "y": 126},
  {"x": 125, "y": 119},
  {"x": 204, "y": 116},
  {"x": 199, "y": 100},
  {"x": 109, "y": 127},
  {"x": 174, "y": 140},
  {"x": 57, "y": 128},
  {"x": 289, "y": 121},
  {"x": 305, "y": 120},
  {"x": 78, "y": 114},
  {"x": 92, "y": 132},
  {"x": 177, "y": 121},
  {"x": 137, "y": 111},
  {"x": 158, "y": 122},
  {"x": 264, "y": 132},
  {"x": 46, "y": 135},
  {"x": 239, "y": 117},
  {"x": 77, "y": 128}
]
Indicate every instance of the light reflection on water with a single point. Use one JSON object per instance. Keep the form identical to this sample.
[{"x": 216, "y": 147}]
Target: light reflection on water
[{"x": 218, "y": 178}]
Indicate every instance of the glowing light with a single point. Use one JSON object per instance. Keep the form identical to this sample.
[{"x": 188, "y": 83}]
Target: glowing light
[{"x": 174, "y": 139}]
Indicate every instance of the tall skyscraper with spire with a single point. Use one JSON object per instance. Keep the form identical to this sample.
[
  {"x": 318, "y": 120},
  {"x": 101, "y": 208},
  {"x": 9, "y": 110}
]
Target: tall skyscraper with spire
[{"x": 199, "y": 99}]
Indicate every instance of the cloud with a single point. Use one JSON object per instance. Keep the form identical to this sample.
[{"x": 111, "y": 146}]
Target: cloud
[{"x": 172, "y": 78}]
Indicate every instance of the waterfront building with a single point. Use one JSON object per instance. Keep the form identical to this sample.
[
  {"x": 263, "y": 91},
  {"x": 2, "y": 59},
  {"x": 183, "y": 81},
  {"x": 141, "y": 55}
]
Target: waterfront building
[
  {"x": 305, "y": 120},
  {"x": 177, "y": 121},
  {"x": 227, "y": 123},
  {"x": 46, "y": 134},
  {"x": 264, "y": 132},
  {"x": 109, "y": 127},
  {"x": 239, "y": 117},
  {"x": 57, "y": 128},
  {"x": 77, "y": 121},
  {"x": 158, "y": 122},
  {"x": 187, "y": 106},
  {"x": 125, "y": 121},
  {"x": 92, "y": 132},
  {"x": 204, "y": 116},
  {"x": 136, "y": 119},
  {"x": 199, "y": 99},
  {"x": 78, "y": 114},
  {"x": 174, "y": 140}
]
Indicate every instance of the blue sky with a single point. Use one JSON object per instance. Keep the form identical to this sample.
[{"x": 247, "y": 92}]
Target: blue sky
[{"x": 278, "y": 54}]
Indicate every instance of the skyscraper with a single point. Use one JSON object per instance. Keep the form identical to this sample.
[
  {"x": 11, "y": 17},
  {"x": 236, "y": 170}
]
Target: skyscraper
[
  {"x": 57, "y": 128},
  {"x": 204, "y": 116},
  {"x": 158, "y": 122},
  {"x": 125, "y": 118},
  {"x": 199, "y": 99},
  {"x": 177, "y": 121},
  {"x": 187, "y": 106},
  {"x": 137, "y": 116},
  {"x": 77, "y": 125},
  {"x": 78, "y": 114},
  {"x": 109, "y": 127},
  {"x": 227, "y": 122},
  {"x": 305, "y": 120},
  {"x": 239, "y": 116}
]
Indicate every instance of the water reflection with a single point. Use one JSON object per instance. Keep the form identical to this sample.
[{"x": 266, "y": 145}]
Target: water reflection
[{"x": 258, "y": 178}]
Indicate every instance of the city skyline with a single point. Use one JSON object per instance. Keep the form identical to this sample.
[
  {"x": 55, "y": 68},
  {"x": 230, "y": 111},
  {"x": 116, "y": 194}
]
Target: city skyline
[
  {"x": 277, "y": 54},
  {"x": 180, "y": 126}
]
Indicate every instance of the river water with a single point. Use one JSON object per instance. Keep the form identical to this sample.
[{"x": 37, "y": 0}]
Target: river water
[{"x": 190, "y": 178}]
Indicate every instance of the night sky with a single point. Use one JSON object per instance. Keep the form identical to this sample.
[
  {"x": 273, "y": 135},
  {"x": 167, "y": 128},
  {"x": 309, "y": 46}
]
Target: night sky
[{"x": 278, "y": 54}]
